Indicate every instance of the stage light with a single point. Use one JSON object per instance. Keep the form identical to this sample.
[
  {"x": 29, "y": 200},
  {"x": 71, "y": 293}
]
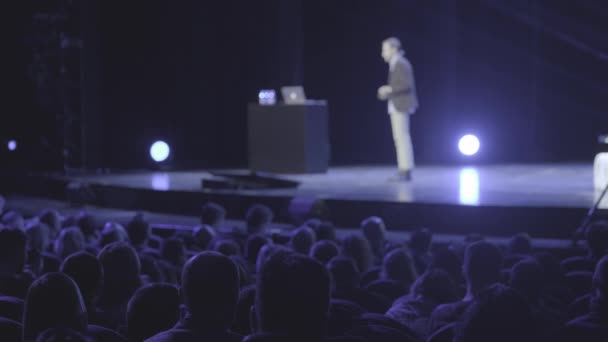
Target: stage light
[
  {"x": 469, "y": 145},
  {"x": 11, "y": 145},
  {"x": 160, "y": 151},
  {"x": 469, "y": 186}
]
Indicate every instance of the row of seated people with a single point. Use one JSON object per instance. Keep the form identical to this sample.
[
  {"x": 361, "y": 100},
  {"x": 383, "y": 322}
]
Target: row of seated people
[{"x": 65, "y": 278}]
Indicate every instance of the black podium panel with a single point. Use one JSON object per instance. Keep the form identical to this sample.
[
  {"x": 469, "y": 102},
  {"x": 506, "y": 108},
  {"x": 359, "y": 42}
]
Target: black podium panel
[{"x": 288, "y": 138}]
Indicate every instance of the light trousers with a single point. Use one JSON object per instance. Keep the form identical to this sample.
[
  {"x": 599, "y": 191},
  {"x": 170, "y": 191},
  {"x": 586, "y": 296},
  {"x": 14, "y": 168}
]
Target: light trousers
[{"x": 400, "y": 124}]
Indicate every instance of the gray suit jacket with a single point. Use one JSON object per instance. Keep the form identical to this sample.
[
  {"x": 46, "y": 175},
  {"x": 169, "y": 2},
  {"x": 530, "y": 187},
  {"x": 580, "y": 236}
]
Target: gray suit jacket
[{"x": 401, "y": 79}]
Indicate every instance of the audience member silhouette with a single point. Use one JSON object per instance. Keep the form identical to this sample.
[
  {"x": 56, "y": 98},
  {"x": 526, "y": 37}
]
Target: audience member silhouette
[
  {"x": 202, "y": 236},
  {"x": 13, "y": 219},
  {"x": 431, "y": 289},
  {"x": 420, "y": 247},
  {"x": 258, "y": 218},
  {"x": 13, "y": 250},
  {"x": 52, "y": 219},
  {"x": 325, "y": 231},
  {"x": 139, "y": 233},
  {"x": 121, "y": 278},
  {"x": 88, "y": 226},
  {"x": 213, "y": 215},
  {"x": 70, "y": 241},
  {"x": 252, "y": 249},
  {"x": 498, "y": 313},
  {"x": 302, "y": 240},
  {"x": 210, "y": 290},
  {"x": 112, "y": 232},
  {"x": 324, "y": 250},
  {"x": 153, "y": 309},
  {"x": 596, "y": 236},
  {"x": 482, "y": 265},
  {"x": 358, "y": 248},
  {"x": 227, "y": 247},
  {"x": 374, "y": 230},
  {"x": 292, "y": 298},
  {"x": 85, "y": 269}
]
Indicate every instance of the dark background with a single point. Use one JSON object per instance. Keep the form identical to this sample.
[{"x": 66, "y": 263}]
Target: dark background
[{"x": 527, "y": 77}]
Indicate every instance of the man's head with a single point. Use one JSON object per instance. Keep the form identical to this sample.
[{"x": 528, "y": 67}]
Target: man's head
[
  {"x": 53, "y": 301},
  {"x": 344, "y": 274},
  {"x": 139, "y": 232},
  {"x": 398, "y": 265},
  {"x": 326, "y": 231},
  {"x": 302, "y": 239},
  {"x": 420, "y": 240},
  {"x": 527, "y": 278},
  {"x": 173, "y": 250},
  {"x": 112, "y": 232},
  {"x": 13, "y": 243},
  {"x": 52, "y": 219},
  {"x": 390, "y": 47},
  {"x": 374, "y": 229},
  {"x": 292, "y": 297},
  {"x": 70, "y": 240},
  {"x": 482, "y": 264},
  {"x": 210, "y": 289},
  {"x": 86, "y": 271},
  {"x": 520, "y": 243},
  {"x": 436, "y": 286},
  {"x": 358, "y": 248},
  {"x": 258, "y": 216},
  {"x": 153, "y": 308},
  {"x": 212, "y": 214},
  {"x": 324, "y": 250}
]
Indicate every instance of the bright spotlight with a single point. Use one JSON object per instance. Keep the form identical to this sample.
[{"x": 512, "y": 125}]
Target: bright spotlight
[
  {"x": 11, "y": 145},
  {"x": 469, "y": 145},
  {"x": 159, "y": 151}
]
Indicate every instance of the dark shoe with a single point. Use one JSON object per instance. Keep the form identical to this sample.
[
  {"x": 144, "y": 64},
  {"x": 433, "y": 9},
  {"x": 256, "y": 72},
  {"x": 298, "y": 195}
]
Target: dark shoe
[{"x": 402, "y": 176}]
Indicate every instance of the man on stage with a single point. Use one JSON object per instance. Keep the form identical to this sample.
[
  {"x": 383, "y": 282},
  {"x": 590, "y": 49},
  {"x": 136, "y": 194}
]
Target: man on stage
[{"x": 400, "y": 92}]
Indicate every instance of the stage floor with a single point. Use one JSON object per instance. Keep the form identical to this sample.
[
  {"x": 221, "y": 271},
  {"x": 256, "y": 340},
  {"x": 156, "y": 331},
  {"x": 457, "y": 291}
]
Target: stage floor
[{"x": 530, "y": 185}]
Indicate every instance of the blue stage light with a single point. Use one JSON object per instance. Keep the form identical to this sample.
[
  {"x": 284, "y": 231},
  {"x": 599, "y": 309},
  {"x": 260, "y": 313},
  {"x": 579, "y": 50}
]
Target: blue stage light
[{"x": 469, "y": 145}]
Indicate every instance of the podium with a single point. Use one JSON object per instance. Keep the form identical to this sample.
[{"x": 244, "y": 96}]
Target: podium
[{"x": 288, "y": 138}]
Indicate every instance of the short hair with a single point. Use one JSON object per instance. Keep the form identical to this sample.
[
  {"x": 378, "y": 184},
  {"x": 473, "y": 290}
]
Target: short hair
[
  {"x": 292, "y": 298},
  {"x": 373, "y": 228},
  {"x": 210, "y": 288},
  {"x": 173, "y": 250},
  {"x": 498, "y": 313},
  {"x": 359, "y": 249},
  {"x": 53, "y": 301},
  {"x": 139, "y": 231},
  {"x": 436, "y": 286},
  {"x": 153, "y": 308},
  {"x": 257, "y": 217},
  {"x": 253, "y": 246},
  {"x": 85, "y": 269},
  {"x": 212, "y": 213},
  {"x": 344, "y": 273},
  {"x": 87, "y": 224},
  {"x": 70, "y": 240},
  {"x": 520, "y": 243},
  {"x": 203, "y": 235},
  {"x": 112, "y": 232},
  {"x": 420, "y": 240},
  {"x": 121, "y": 271},
  {"x": 398, "y": 265},
  {"x": 482, "y": 263},
  {"x": 13, "y": 244},
  {"x": 393, "y": 42},
  {"x": 324, "y": 250},
  {"x": 265, "y": 253},
  {"x": 302, "y": 239}
]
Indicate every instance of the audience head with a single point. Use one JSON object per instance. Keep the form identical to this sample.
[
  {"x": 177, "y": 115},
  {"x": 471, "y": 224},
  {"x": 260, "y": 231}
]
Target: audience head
[
  {"x": 113, "y": 232},
  {"x": 258, "y": 217},
  {"x": 13, "y": 248},
  {"x": 203, "y": 235},
  {"x": 38, "y": 236},
  {"x": 520, "y": 243},
  {"x": 398, "y": 265},
  {"x": 374, "y": 229},
  {"x": 227, "y": 247},
  {"x": 420, "y": 240},
  {"x": 253, "y": 246},
  {"x": 292, "y": 297},
  {"x": 326, "y": 231},
  {"x": 154, "y": 308},
  {"x": 312, "y": 223},
  {"x": 436, "y": 286},
  {"x": 210, "y": 289},
  {"x": 70, "y": 241},
  {"x": 53, "y": 301},
  {"x": 600, "y": 277},
  {"x": 302, "y": 239},
  {"x": 212, "y": 214},
  {"x": 597, "y": 238},
  {"x": 324, "y": 250},
  {"x": 448, "y": 260},
  {"x": 138, "y": 230},
  {"x": 85, "y": 269},
  {"x": 344, "y": 274},
  {"x": 53, "y": 220},
  {"x": 87, "y": 224},
  {"x": 13, "y": 219},
  {"x": 121, "y": 273},
  {"x": 173, "y": 250},
  {"x": 527, "y": 278},
  {"x": 265, "y": 253},
  {"x": 497, "y": 314},
  {"x": 358, "y": 248},
  {"x": 482, "y": 265}
]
